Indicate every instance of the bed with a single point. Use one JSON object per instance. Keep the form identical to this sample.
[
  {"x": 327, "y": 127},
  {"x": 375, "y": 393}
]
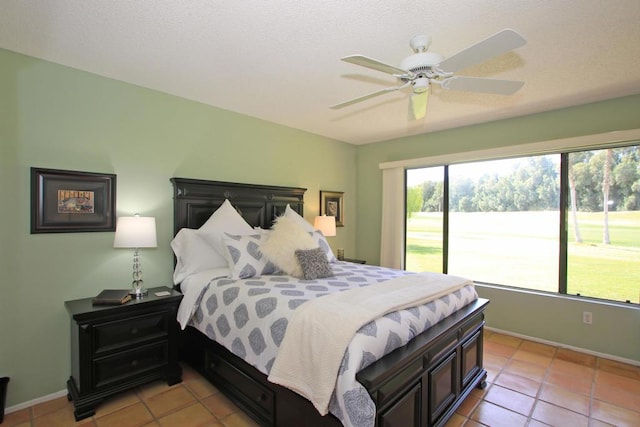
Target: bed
[{"x": 420, "y": 383}]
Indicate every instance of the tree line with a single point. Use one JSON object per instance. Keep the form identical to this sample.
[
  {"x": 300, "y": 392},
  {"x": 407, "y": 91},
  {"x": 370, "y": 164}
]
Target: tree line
[{"x": 599, "y": 180}]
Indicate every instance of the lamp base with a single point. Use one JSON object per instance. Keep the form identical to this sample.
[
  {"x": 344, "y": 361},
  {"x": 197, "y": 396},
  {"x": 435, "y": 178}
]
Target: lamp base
[
  {"x": 138, "y": 293},
  {"x": 137, "y": 290}
]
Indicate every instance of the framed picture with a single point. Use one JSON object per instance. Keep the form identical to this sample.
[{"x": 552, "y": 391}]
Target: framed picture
[
  {"x": 331, "y": 204},
  {"x": 70, "y": 201}
]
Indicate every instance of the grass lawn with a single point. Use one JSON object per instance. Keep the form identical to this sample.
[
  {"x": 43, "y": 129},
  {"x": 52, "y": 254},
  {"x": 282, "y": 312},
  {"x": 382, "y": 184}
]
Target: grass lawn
[{"x": 521, "y": 249}]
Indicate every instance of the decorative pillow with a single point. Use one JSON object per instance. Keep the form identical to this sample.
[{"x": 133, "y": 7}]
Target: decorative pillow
[
  {"x": 316, "y": 234},
  {"x": 193, "y": 254},
  {"x": 295, "y": 216},
  {"x": 314, "y": 263},
  {"x": 281, "y": 245},
  {"x": 321, "y": 241},
  {"x": 224, "y": 220},
  {"x": 245, "y": 258}
]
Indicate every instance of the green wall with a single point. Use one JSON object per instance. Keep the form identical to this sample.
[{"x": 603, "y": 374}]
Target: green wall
[
  {"x": 615, "y": 328},
  {"x": 56, "y": 117},
  {"x": 60, "y": 118}
]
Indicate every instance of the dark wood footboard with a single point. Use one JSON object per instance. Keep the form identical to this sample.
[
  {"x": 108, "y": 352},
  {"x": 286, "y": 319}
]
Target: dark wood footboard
[
  {"x": 419, "y": 384},
  {"x": 425, "y": 381}
]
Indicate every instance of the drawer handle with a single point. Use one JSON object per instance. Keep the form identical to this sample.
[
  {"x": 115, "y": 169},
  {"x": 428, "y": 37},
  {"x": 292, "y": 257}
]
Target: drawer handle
[
  {"x": 262, "y": 398},
  {"x": 134, "y": 363},
  {"x": 134, "y": 331}
]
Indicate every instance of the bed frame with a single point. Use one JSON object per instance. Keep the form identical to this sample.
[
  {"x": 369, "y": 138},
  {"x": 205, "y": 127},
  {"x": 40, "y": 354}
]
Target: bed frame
[{"x": 419, "y": 384}]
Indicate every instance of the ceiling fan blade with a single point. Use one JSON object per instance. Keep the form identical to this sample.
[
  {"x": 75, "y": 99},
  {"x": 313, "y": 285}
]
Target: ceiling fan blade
[
  {"x": 371, "y": 95},
  {"x": 418, "y": 105},
  {"x": 495, "y": 45},
  {"x": 374, "y": 64},
  {"x": 479, "y": 84}
]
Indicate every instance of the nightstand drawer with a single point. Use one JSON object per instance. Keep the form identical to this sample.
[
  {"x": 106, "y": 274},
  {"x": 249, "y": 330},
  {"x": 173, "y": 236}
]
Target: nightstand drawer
[
  {"x": 122, "y": 333},
  {"x": 130, "y": 364}
]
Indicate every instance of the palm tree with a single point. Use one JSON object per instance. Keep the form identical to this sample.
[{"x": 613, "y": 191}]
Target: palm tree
[
  {"x": 574, "y": 207},
  {"x": 606, "y": 184}
]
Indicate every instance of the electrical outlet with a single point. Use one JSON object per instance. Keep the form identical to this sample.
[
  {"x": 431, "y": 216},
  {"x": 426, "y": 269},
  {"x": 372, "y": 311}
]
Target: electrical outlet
[{"x": 587, "y": 317}]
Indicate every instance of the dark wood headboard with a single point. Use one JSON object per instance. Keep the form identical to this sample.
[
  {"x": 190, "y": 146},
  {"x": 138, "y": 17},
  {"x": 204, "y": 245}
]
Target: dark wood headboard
[{"x": 194, "y": 201}]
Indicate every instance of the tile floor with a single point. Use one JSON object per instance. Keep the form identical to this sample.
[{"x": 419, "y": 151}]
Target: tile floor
[{"x": 529, "y": 384}]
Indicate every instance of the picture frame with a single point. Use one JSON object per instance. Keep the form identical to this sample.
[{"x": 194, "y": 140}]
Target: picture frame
[
  {"x": 64, "y": 201},
  {"x": 332, "y": 204}
]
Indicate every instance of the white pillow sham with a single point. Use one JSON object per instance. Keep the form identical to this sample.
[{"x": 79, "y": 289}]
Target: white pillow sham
[
  {"x": 298, "y": 219},
  {"x": 203, "y": 249},
  {"x": 193, "y": 254},
  {"x": 225, "y": 219}
]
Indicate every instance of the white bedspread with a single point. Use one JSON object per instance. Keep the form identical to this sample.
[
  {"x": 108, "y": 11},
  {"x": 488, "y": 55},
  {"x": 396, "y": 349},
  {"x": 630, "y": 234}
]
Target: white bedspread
[
  {"x": 320, "y": 330},
  {"x": 250, "y": 318}
]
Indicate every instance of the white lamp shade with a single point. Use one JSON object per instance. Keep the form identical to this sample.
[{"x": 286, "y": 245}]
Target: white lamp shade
[
  {"x": 326, "y": 224},
  {"x": 135, "y": 232}
]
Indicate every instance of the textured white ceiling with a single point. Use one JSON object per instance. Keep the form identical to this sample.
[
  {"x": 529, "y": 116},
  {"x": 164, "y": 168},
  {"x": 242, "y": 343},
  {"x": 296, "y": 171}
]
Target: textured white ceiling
[{"x": 279, "y": 60}]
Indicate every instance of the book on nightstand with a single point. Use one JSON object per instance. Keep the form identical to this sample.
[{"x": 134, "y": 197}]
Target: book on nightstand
[{"x": 112, "y": 297}]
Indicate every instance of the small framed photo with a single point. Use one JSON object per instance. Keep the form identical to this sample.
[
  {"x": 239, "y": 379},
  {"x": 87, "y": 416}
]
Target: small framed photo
[
  {"x": 331, "y": 204},
  {"x": 71, "y": 201}
]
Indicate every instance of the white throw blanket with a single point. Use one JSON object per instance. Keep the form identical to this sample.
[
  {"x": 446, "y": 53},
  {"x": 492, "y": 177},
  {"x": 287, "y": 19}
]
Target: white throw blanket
[{"x": 320, "y": 330}]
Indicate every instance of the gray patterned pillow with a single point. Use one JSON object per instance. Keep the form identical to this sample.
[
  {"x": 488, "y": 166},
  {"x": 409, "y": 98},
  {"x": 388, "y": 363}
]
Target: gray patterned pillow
[
  {"x": 314, "y": 263},
  {"x": 319, "y": 238},
  {"x": 244, "y": 256}
]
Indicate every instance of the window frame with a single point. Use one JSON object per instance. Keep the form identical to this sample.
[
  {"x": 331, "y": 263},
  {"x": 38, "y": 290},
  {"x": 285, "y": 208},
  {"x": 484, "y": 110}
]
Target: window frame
[{"x": 563, "y": 148}]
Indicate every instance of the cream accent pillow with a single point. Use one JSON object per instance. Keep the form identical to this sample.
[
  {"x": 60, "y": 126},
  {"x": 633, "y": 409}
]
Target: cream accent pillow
[{"x": 280, "y": 248}]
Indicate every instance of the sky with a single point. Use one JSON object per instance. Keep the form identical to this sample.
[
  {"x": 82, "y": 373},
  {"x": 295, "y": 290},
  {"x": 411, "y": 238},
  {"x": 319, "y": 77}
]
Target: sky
[{"x": 472, "y": 170}]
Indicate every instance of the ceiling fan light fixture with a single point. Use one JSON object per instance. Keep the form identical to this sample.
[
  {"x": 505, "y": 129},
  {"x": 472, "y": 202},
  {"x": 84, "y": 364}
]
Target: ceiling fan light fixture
[{"x": 420, "y": 85}]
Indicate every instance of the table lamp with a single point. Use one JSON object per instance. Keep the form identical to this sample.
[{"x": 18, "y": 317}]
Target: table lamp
[
  {"x": 136, "y": 232},
  {"x": 326, "y": 224}
]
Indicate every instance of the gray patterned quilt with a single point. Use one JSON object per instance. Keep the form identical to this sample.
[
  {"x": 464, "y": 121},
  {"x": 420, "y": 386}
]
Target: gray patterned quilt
[{"x": 250, "y": 317}]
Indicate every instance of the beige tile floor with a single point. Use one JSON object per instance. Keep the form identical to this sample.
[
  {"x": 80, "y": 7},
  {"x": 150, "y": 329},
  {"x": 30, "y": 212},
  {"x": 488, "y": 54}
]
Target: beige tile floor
[{"x": 529, "y": 384}]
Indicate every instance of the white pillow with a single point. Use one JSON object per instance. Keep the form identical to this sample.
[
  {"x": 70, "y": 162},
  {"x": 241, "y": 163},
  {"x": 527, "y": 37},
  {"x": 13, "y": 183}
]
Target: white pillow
[
  {"x": 280, "y": 248},
  {"x": 245, "y": 258},
  {"x": 224, "y": 220},
  {"x": 193, "y": 254},
  {"x": 203, "y": 249},
  {"x": 295, "y": 216}
]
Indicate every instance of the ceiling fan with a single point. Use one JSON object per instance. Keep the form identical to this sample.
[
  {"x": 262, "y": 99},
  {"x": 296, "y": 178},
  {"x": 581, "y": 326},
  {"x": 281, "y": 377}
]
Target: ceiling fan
[{"x": 423, "y": 69}]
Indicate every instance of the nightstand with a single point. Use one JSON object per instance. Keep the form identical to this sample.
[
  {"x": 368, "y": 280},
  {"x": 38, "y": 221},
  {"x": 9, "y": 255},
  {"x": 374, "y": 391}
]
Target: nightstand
[
  {"x": 356, "y": 261},
  {"x": 117, "y": 347}
]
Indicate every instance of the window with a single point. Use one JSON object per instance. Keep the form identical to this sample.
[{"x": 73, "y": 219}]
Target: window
[
  {"x": 501, "y": 222},
  {"x": 603, "y": 250},
  {"x": 425, "y": 235}
]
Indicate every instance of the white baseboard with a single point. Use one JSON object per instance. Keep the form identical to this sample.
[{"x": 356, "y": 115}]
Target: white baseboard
[
  {"x": 42, "y": 399},
  {"x": 569, "y": 347}
]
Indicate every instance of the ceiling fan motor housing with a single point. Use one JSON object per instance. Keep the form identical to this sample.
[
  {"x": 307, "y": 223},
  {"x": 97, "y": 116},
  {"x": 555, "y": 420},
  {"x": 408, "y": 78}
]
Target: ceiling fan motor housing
[{"x": 421, "y": 65}]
